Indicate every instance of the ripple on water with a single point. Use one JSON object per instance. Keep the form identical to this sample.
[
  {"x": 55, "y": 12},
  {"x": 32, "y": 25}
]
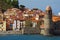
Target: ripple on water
[{"x": 28, "y": 37}]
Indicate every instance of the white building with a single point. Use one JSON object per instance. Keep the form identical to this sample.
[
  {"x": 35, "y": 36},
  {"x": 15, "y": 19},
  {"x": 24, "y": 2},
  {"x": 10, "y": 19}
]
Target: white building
[{"x": 18, "y": 25}]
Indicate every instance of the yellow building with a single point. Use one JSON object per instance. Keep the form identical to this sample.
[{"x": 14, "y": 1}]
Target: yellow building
[
  {"x": 3, "y": 26},
  {"x": 2, "y": 23}
]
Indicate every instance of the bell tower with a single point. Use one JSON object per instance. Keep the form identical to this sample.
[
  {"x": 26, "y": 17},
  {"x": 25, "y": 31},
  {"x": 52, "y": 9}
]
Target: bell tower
[{"x": 48, "y": 20}]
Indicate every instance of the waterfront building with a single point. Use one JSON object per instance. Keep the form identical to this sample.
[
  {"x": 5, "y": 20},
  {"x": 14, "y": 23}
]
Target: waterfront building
[
  {"x": 8, "y": 17},
  {"x": 19, "y": 22},
  {"x": 48, "y": 21},
  {"x": 49, "y": 24},
  {"x": 14, "y": 25},
  {"x": 30, "y": 21},
  {"x": 3, "y": 26},
  {"x": 56, "y": 21},
  {"x": 18, "y": 25},
  {"x": 1, "y": 21}
]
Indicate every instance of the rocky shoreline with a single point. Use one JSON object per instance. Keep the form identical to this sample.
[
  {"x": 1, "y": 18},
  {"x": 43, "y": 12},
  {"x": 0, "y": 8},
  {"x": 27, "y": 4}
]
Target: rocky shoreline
[{"x": 10, "y": 32}]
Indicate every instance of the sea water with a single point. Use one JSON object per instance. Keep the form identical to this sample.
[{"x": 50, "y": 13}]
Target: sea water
[{"x": 28, "y": 37}]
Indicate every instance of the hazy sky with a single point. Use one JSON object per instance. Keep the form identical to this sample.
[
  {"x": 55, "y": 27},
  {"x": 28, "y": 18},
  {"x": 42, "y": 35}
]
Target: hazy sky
[{"x": 41, "y": 4}]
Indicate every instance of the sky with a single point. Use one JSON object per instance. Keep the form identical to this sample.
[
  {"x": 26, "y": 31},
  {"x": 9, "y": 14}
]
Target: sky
[{"x": 41, "y": 4}]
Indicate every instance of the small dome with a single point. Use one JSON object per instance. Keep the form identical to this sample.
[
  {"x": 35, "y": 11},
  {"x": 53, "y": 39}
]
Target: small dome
[{"x": 48, "y": 8}]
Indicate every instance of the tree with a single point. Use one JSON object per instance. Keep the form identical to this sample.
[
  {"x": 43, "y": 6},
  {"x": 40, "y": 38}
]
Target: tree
[
  {"x": 22, "y": 7},
  {"x": 5, "y": 4},
  {"x": 15, "y": 3}
]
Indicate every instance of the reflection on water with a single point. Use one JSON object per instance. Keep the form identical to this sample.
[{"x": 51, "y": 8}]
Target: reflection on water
[{"x": 28, "y": 37}]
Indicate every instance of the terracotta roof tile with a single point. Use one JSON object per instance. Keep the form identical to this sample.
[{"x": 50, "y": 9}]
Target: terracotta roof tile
[{"x": 56, "y": 18}]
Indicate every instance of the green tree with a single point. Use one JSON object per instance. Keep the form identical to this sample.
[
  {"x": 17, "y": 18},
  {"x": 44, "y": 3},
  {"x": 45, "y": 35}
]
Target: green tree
[
  {"x": 15, "y": 3},
  {"x": 22, "y": 7},
  {"x": 5, "y": 4}
]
